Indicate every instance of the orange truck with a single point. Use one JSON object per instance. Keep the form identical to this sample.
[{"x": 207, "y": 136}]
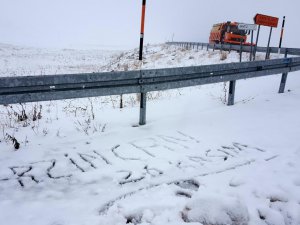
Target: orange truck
[{"x": 228, "y": 33}]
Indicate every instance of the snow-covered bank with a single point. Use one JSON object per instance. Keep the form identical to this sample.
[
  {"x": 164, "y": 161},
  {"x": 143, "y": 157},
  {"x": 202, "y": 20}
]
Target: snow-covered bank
[{"x": 196, "y": 161}]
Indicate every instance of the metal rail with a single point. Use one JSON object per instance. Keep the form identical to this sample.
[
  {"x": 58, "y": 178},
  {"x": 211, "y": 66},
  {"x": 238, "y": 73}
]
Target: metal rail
[
  {"x": 229, "y": 47},
  {"x": 57, "y": 87}
]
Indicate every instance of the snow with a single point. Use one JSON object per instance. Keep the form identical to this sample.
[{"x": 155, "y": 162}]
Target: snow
[
  {"x": 216, "y": 209},
  {"x": 25, "y": 61},
  {"x": 196, "y": 161}
]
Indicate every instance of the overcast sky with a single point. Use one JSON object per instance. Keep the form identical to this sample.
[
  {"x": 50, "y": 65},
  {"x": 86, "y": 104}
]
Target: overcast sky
[{"x": 96, "y": 23}]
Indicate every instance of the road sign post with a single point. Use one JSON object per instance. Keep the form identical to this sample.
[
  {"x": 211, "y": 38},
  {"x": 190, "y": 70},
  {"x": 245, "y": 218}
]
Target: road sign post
[
  {"x": 256, "y": 43},
  {"x": 268, "y": 47},
  {"x": 251, "y": 48},
  {"x": 241, "y": 50}
]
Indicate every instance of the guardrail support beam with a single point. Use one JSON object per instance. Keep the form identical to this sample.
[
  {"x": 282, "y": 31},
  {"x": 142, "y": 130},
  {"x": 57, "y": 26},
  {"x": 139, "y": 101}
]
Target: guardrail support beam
[
  {"x": 231, "y": 92},
  {"x": 282, "y": 83},
  {"x": 143, "y": 108},
  {"x": 283, "y": 77}
]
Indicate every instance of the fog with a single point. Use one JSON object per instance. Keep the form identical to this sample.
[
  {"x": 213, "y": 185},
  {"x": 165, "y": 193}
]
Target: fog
[{"x": 116, "y": 23}]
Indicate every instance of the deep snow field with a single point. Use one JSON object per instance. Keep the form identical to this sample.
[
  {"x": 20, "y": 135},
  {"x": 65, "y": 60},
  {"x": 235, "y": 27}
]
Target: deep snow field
[{"x": 196, "y": 161}]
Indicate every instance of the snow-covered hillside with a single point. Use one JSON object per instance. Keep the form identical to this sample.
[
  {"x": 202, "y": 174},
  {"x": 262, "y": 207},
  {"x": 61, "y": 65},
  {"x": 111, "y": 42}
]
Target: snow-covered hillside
[{"x": 197, "y": 161}]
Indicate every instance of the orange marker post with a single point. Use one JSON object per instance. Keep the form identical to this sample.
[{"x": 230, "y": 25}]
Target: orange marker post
[
  {"x": 142, "y": 30},
  {"x": 281, "y": 35},
  {"x": 143, "y": 94}
]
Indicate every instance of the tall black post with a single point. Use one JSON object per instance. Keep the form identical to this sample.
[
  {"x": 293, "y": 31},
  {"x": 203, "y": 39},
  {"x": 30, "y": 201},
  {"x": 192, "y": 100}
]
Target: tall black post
[
  {"x": 241, "y": 50},
  {"x": 251, "y": 48},
  {"x": 268, "y": 47},
  {"x": 281, "y": 35},
  {"x": 143, "y": 94},
  {"x": 256, "y": 43}
]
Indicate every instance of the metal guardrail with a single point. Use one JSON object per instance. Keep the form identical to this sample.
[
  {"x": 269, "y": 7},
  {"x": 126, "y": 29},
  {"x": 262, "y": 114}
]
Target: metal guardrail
[
  {"x": 57, "y": 87},
  {"x": 229, "y": 47}
]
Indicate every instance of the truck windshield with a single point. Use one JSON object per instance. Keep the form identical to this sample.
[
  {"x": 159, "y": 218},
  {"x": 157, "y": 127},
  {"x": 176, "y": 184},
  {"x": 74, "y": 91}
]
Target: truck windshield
[{"x": 235, "y": 30}]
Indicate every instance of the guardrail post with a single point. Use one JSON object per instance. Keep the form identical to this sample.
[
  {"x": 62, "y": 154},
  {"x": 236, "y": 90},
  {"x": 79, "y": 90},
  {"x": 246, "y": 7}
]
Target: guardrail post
[
  {"x": 207, "y": 47},
  {"x": 229, "y": 48},
  {"x": 143, "y": 108},
  {"x": 231, "y": 93},
  {"x": 214, "y": 47},
  {"x": 283, "y": 77}
]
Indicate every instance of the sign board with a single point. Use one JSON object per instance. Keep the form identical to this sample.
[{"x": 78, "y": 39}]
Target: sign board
[
  {"x": 244, "y": 26},
  {"x": 265, "y": 20}
]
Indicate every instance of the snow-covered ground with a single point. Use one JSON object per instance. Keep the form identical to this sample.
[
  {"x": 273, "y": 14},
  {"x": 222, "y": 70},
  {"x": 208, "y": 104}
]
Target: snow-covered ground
[
  {"x": 24, "y": 61},
  {"x": 197, "y": 161}
]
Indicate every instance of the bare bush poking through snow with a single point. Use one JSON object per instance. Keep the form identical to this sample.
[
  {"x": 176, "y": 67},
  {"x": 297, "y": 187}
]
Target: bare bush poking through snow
[
  {"x": 223, "y": 56},
  {"x": 14, "y": 141}
]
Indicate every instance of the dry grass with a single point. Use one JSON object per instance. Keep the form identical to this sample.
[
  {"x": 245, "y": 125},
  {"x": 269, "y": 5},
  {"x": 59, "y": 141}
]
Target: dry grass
[{"x": 223, "y": 56}]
